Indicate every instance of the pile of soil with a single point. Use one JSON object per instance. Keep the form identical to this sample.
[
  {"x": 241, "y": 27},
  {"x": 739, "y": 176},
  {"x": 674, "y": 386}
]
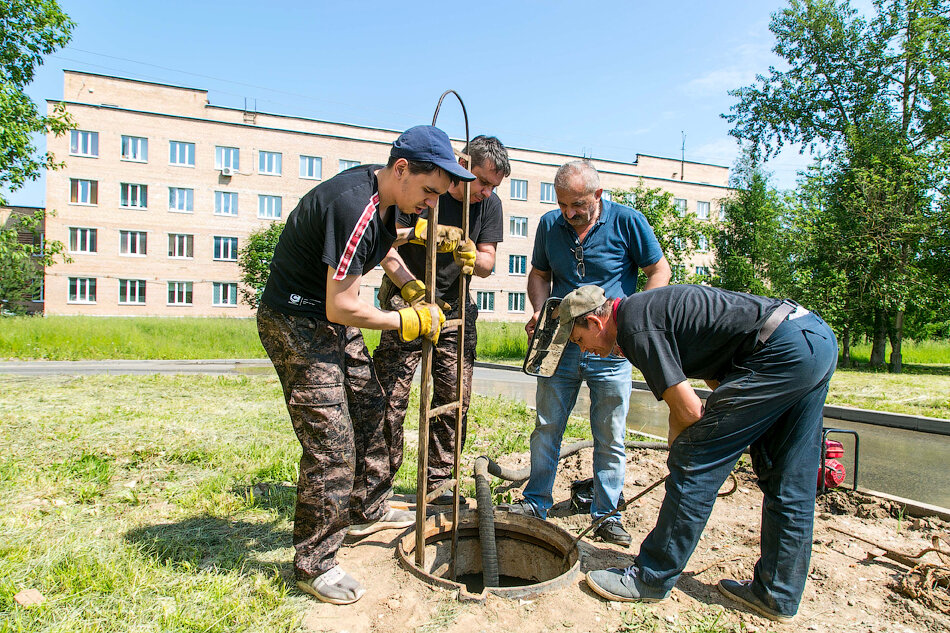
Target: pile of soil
[{"x": 848, "y": 590}]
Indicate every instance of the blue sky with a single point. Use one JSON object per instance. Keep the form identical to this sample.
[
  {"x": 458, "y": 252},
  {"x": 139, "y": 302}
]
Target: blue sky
[{"x": 603, "y": 79}]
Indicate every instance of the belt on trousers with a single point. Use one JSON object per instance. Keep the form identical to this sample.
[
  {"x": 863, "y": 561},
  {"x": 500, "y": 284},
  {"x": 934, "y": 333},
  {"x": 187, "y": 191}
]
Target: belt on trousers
[{"x": 787, "y": 310}]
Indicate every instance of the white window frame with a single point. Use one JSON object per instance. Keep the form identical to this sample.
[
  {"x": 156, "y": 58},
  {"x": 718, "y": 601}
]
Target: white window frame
[
  {"x": 84, "y": 192},
  {"x": 517, "y": 226},
  {"x": 702, "y": 244},
  {"x": 133, "y": 195},
  {"x": 225, "y": 248},
  {"x": 80, "y": 242},
  {"x": 269, "y": 207},
  {"x": 183, "y": 196},
  {"x": 218, "y": 288},
  {"x": 183, "y": 147},
  {"x": 84, "y": 143},
  {"x": 348, "y": 164},
  {"x": 519, "y": 299},
  {"x": 231, "y": 208},
  {"x": 680, "y": 205},
  {"x": 551, "y": 197},
  {"x": 134, "y": 149},
  {"x": 519, "y": 189},
  {"x": 310, "y": 164},
  {"x": 485, "y": 300},
  {"x": 269, "y": 163},
  {"x": 82, "y": 288},
  {"x": 135, "y": 288},
  {"x": 702, "y": 271},
  {"x": 183, "y": 293},
  {"x": 225, "y": 156},
  {"x": 702, "y": 210},
  {"x": 133, "y": 243},
  {"x": 517, "y": 265},
  {"x": 178, "y": 242}
]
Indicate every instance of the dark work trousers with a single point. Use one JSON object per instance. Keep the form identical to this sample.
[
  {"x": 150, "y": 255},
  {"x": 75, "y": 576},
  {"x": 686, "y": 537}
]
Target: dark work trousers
[
  {"x": 771, "y": 401},
  {"x": 336, "y": 406},
  {"x": 396, "y": 362}
]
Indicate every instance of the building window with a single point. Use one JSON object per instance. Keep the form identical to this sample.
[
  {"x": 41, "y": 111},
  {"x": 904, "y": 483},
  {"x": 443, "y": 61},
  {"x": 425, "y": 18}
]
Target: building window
[
  {"x": 226, "y": 248},
  {"x": 702, "y": 271},
  {"x": 485, "y": 301},
  {"x": 82, "y": 290},
  {"x": 227, "y": 157},
  {"x": 516, "y": 301},
  {"x": 83, "y": 143},
  {"x": 225, "y": 203},
  {"x": 311, "y": 167},
  {"x": 722, "y": 212},
  {"x": 348, "y": 164},
  {"x": 135, "y": 148},
  {"x": 133, "y": 196},
  {"x": 517, "y": 264},
  {"x": 181, "y": 200},
  {"x": 702, "y": 210},
  {"x": 519, "y": 189},
  {"x": 225, "y": 294},
  {"x": 702, "y": 244},
  {"x": 547, "y": 192},
  {"x": 269, "y": 163},
  {"x": 131, "y": 291},
  {"x": 181, "y": 153},
  {"x": 268, "y": 207},
  {"x": 132, "y": 242},
  {"x": 181, "y": 245},
  {"x": 518, "y": 226},
  {"x": 82, "y": 240},
  {"x": 83, "y": 191},
  {"x": 39, "y": 294},
  {"x": 179, "y": 293},
  {"x": 680, "y": 205}
]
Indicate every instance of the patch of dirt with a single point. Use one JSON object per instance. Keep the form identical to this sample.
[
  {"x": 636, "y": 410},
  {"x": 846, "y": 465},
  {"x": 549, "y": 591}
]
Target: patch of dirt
[{"x": 847, "y": 591}]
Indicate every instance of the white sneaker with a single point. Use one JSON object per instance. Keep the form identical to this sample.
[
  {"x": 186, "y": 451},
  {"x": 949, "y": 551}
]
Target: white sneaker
[
  {"x": 334, "y": 586},
  {"x": 391, "y": 520}
]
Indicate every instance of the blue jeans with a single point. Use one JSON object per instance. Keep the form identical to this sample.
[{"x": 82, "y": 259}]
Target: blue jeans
[
  {"x": 609, "y": 382},
  {"x": 771, "y": 401}
]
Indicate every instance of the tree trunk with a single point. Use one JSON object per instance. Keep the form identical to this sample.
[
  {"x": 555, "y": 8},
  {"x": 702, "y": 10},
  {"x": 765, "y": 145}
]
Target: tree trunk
[
  {"x": 846, "y": 347},
  {"x": 896, "y": 335},
  {"x": 879, "y": 340}
]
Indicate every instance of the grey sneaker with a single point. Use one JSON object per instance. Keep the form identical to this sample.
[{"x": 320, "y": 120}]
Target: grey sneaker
[
  {"x": 741, "y": 592},
  {"x": 391, "y": 520},
  {"x": 334, "y": 586},
  {"x": 613, "y": 532},
  {"x": 619, "y": 584},
  {"x": 523, "y": 507}
]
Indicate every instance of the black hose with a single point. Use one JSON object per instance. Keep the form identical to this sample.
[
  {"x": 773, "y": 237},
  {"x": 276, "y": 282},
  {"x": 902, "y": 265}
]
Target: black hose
[{"x": 486, "y": 522}]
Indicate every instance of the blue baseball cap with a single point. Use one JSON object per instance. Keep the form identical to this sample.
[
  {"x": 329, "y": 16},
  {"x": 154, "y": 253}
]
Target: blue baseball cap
[{"x": 429, "y": 144}]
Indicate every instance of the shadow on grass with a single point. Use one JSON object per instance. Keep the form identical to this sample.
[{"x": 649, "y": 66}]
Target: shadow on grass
[{"x": 212, "y": 543}]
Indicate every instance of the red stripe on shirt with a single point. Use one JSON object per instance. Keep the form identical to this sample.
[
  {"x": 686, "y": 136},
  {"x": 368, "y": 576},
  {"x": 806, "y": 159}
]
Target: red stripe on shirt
[{"x": 355, "y": 238}]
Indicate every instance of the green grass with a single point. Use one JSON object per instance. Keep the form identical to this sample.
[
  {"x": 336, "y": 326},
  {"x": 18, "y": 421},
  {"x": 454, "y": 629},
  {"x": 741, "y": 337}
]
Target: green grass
[
  {"x": 936, "y": 352},
  {"x": 165, "y": 503}
]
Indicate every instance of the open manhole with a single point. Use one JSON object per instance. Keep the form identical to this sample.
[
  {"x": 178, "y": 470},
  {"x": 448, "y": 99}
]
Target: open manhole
[{"x": 534, "y": 556}]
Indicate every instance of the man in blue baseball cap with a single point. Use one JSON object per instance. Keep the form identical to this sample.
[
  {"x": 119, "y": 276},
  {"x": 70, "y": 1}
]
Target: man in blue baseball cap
[{"x": 309, "y": 322}]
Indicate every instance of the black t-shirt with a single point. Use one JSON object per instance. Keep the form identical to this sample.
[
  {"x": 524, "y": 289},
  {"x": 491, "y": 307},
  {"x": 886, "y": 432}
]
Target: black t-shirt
[
  {"x": 336, "y": 226},
  {"x": 688, "y": 331},
  {"x": 485, "y": 224}
]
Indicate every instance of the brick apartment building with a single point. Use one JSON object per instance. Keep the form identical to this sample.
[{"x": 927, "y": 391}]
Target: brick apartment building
[{"x": 160, "y": 189}]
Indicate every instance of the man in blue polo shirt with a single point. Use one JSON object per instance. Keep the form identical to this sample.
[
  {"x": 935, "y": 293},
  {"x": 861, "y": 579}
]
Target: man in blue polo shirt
[{"x": 587, "y": 241}]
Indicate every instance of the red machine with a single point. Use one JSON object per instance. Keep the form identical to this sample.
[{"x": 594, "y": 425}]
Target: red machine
[{"x": 831, "y": 472}]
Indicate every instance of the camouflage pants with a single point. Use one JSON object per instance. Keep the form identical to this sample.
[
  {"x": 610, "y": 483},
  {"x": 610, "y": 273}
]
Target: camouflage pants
[
  {"x": 396, "y": 362},
  {"x": 336, "y": 406}
]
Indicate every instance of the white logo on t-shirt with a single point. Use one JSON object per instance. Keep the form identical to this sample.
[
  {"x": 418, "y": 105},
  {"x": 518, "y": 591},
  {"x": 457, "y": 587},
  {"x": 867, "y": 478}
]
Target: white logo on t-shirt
[{"x": 295, "y": 299}]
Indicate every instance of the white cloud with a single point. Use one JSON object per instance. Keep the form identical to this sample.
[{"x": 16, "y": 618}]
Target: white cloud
[
  {"x": 718, "y": 82},
  {"x": 719, "y": 152}
]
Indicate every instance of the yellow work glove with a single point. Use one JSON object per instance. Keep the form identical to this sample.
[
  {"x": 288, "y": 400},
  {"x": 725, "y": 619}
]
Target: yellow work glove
[
  {"x": 465, "y": 256},
  {"x": 413, "y": 292},
  {"x": 447, "y": 237},
  {"x": 418, "y": 320}
]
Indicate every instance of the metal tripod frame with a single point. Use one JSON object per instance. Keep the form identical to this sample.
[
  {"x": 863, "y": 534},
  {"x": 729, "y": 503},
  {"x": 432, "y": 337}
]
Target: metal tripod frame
[{"x": 426, "y": 413}]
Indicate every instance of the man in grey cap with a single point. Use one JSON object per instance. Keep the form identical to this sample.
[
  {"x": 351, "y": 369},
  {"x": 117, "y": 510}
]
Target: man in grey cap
[
  {"x": 309, "y": 322},
  {"x": 768, "y": 362}
]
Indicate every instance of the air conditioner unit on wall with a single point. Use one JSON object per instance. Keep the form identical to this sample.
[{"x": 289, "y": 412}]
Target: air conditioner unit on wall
[{"x": 227, "y": 171}]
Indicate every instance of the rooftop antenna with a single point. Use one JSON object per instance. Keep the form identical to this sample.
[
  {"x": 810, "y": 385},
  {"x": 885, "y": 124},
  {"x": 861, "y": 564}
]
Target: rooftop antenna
[{"x": 683, "y": 154}]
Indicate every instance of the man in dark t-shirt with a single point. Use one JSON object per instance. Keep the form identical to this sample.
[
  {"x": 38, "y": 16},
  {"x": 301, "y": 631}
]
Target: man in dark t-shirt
[
  {"x": 309, "y": 322},
  {"x": 768, "y": 363},
  {"x": 396, "y": 360}
]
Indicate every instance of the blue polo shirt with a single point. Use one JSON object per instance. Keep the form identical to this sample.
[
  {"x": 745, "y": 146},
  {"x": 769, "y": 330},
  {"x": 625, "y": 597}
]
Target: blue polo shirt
[{"x": 619, "y": 243}]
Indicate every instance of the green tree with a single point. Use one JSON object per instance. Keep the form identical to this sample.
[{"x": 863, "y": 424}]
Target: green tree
[
  {"x": 678, "y": 235},
  {"x": 254, "y": 261},
  {"x": 21, "y": 264},
  {"x": 29, "y": 29},
  {"x": 876, "y": 94}
]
